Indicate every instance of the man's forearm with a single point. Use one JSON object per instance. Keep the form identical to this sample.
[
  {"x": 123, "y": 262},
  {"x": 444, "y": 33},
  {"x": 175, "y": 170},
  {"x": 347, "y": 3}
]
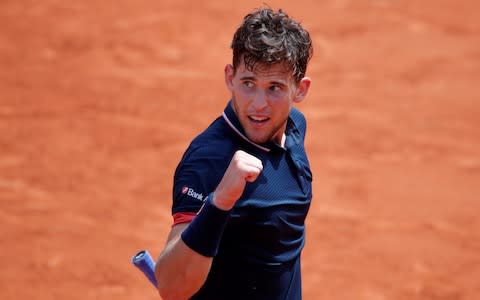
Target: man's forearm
[{"x": 180, "y": 271}]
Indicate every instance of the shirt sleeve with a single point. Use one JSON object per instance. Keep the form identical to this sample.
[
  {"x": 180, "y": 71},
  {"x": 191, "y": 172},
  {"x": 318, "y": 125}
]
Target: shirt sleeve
[
  {"x": 196, "y": 176},
  {"x": 185, "y": 217}
]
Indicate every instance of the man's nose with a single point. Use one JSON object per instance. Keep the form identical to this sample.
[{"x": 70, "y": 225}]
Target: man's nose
[{"x": 259, "y": 100}]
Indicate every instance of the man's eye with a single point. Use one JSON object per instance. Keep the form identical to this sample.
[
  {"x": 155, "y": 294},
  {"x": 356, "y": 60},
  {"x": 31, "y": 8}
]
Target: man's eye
[
  {"x": 248, "y": 84},
  {"x": 275, "y": 88}
]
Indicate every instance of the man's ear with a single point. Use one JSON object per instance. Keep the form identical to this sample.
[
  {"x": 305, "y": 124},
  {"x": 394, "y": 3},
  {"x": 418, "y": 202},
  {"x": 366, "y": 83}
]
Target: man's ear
[
  {"x": 302, "y": 89},
  {"x": 229, "y": 74}
]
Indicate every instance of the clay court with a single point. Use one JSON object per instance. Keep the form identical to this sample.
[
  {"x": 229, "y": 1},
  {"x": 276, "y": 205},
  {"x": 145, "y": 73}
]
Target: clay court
[{"x": 99, "y": 99}]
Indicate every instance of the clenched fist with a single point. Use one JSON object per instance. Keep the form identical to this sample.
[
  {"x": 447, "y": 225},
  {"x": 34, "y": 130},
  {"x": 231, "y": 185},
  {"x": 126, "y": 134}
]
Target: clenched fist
[{"x": 242, "y": 168}]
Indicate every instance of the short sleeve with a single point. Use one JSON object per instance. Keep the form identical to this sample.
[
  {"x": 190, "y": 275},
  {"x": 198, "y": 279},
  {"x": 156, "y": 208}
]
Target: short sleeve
[{"x": 196, "y": 176}]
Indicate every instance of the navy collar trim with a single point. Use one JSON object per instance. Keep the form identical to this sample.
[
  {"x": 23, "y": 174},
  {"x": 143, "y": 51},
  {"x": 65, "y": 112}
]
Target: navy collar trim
[
  {"x": 231, "y": 118},
  {"x": 241, "y": 134}
]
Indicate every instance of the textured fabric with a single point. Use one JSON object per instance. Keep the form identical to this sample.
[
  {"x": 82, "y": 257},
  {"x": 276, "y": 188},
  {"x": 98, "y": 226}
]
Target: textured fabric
[
  {"x": 205, "y": 231},
  {"x": 265, "y": 233},
  {"x": 253, "y": 282}
]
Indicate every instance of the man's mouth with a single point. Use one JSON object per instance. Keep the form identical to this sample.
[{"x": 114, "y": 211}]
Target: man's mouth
[{"x": 258, "y": 119}]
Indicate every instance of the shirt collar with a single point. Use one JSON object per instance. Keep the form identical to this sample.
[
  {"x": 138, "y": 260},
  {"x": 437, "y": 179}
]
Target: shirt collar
[{"x": 292, "y": 133}]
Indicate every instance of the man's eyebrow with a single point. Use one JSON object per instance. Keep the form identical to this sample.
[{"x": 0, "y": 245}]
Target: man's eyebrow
[
  {"x": 251, "y": 78},
  {"x": 277, "y": 82},
  {"x": 273, "y": 82}
]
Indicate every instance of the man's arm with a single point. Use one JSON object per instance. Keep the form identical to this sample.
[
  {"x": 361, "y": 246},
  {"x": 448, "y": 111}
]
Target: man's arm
[{"x": 180, "y": 271}]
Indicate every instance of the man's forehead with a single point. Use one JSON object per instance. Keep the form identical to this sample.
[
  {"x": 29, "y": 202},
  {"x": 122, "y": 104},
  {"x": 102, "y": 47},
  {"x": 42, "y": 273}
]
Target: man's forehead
[{"x": 266, "y": 70}]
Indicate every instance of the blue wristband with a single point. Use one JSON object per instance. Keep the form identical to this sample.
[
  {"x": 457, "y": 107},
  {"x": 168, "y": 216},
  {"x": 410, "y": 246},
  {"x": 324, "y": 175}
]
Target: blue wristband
[{"x": 204, "y": 233}]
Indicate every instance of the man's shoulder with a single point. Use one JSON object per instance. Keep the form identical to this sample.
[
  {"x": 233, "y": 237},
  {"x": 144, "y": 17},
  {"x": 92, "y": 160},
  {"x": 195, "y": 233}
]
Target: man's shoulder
[
  {"x": 215, "y": 132},
  {"x": 299, "y": 120},
  {"x": 215, "y": 141},
  {"x": 297, "y": 116}
]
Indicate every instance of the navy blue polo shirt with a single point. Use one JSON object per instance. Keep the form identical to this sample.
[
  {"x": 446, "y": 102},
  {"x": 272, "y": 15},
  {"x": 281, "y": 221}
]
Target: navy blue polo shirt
[{"x": 259, "y": 254}]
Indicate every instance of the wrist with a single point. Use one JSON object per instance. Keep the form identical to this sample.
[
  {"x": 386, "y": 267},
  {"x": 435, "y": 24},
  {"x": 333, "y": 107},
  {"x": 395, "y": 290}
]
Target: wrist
[
  {"x": 204, "y": 233},
  {"x": 219, "y": 203}
]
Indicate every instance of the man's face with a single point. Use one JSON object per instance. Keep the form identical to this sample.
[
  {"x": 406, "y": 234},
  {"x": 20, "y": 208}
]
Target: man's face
[{"x": 262, "y": 99}]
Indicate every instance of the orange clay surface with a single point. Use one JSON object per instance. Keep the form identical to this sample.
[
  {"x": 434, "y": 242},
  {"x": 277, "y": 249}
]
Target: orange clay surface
[{"x": 99, "y": 99}]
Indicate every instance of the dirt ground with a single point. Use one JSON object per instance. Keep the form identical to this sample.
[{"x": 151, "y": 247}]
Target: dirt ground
[{"x": 99, "y": 99}]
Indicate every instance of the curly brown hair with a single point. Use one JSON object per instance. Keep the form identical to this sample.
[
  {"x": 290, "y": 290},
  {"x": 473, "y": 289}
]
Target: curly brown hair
[{"x": 268, "y": 37}]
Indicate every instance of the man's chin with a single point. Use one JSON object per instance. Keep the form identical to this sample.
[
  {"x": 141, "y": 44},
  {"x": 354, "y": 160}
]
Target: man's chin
[{"x": 259, "y": 140}]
